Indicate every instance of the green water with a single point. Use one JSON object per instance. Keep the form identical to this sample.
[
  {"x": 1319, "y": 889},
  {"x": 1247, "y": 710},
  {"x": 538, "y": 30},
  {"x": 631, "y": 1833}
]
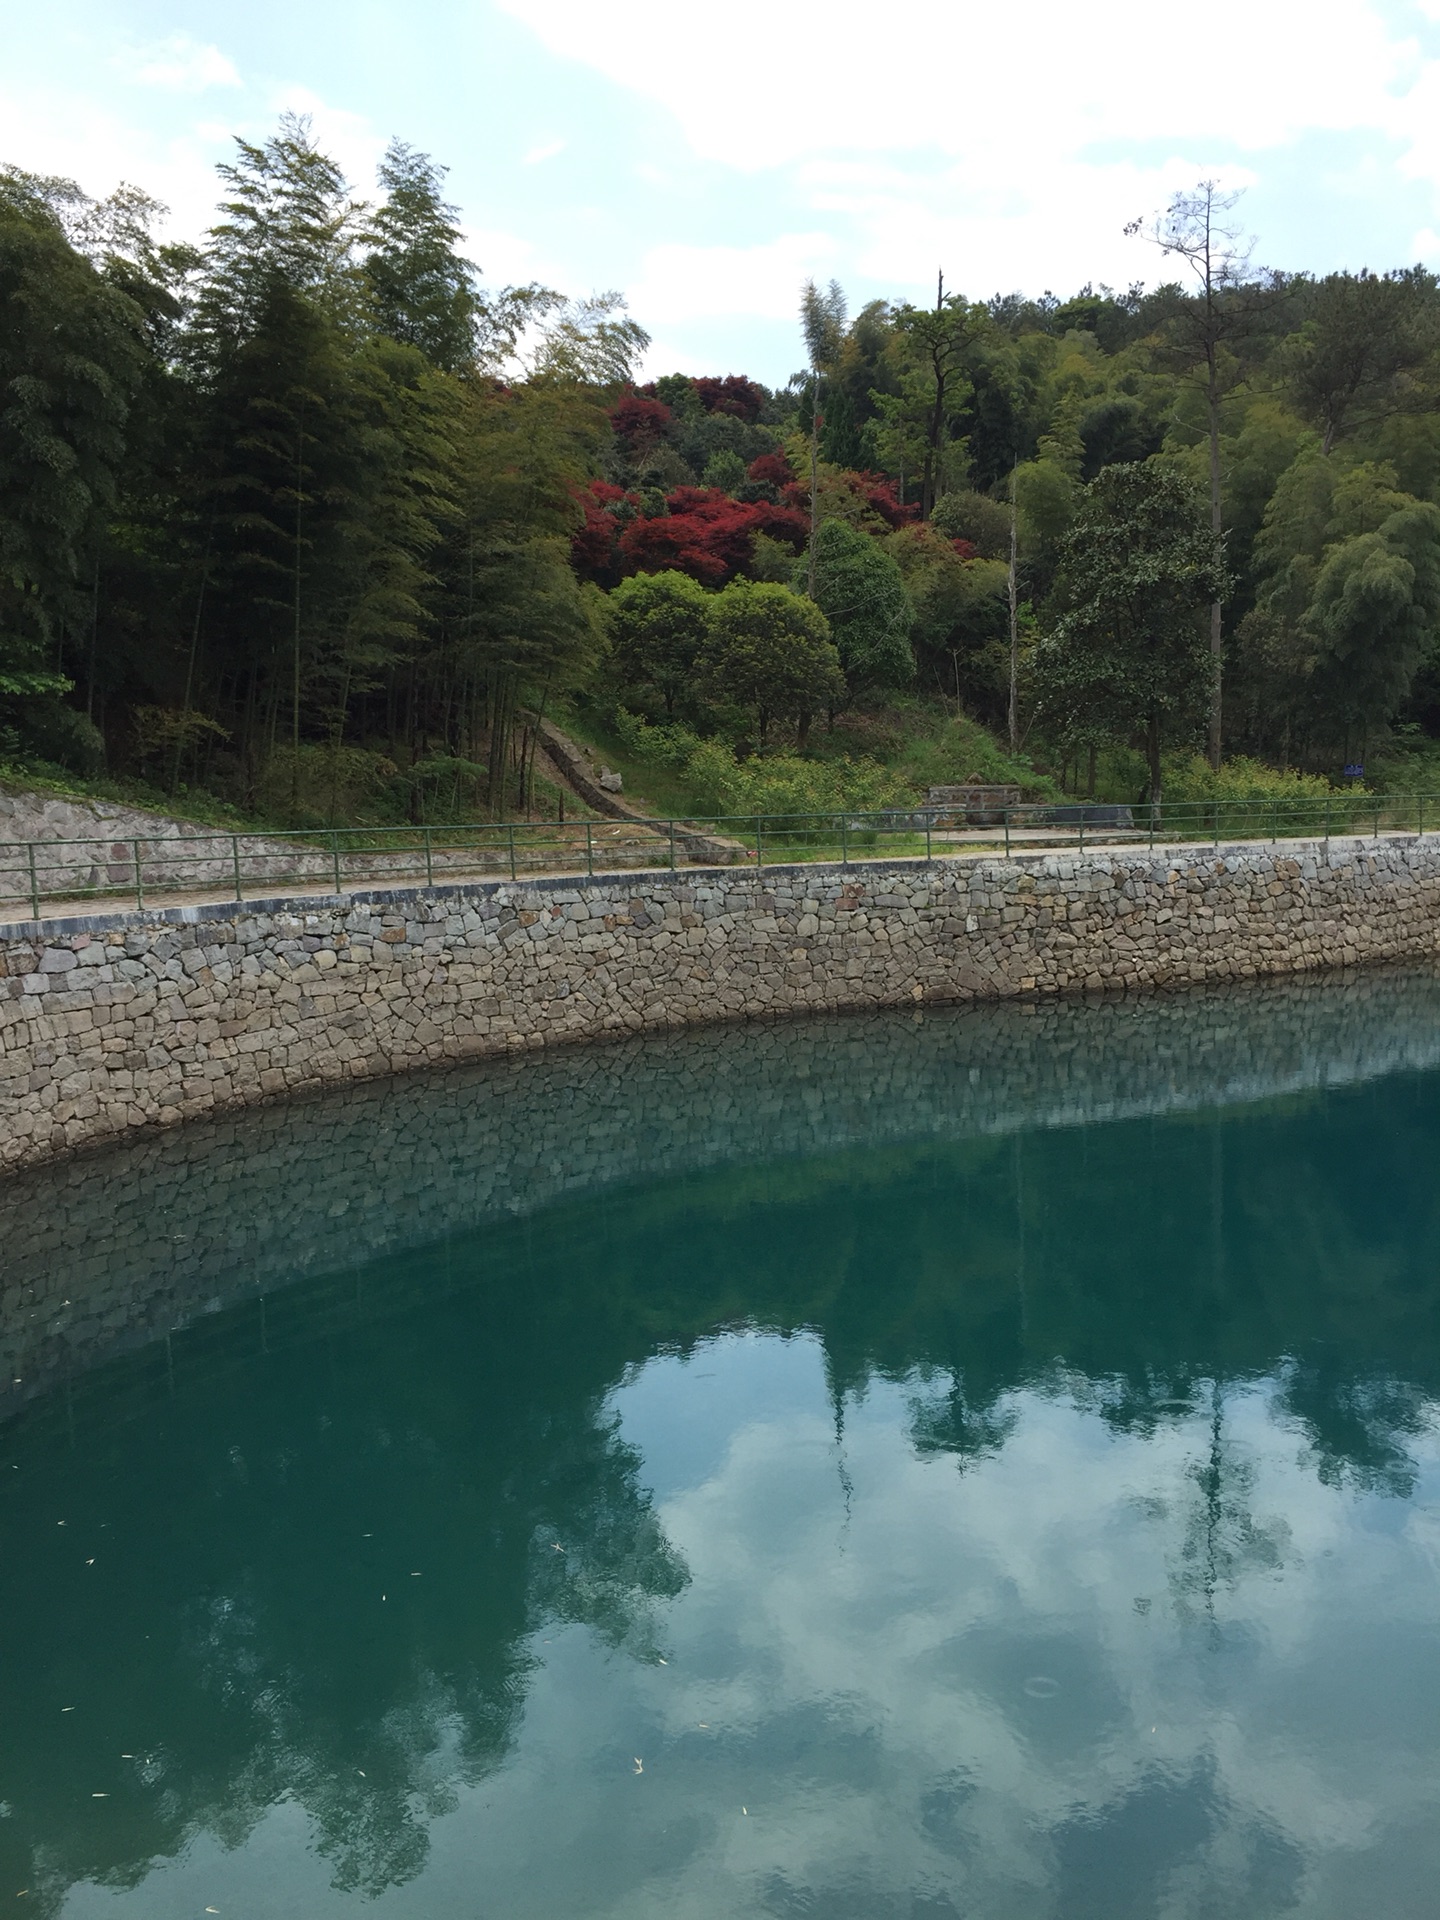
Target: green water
[{"x": 1032, "y": 1515}]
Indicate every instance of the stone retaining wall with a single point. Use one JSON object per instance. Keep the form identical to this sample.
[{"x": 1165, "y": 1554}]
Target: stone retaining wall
[
  {"x": 108, "y": 1251},
  {"x": 118, "y": 1022}
]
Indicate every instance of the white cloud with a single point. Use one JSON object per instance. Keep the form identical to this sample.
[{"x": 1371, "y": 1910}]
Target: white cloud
[
  {"x": 547, "y": 150},
  {"x": 930, "y": 1678},
  {"x": 179, "y": 64},
  {"x": 1090, "y": 117},
  {"x": 505, "y": 259},
  {"x": 1125, "y": 70},
  {"x": 678, "y": 282}
]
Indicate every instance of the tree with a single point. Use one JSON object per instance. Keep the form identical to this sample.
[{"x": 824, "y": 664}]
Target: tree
[
  {"x": 424, "y": 288},
  {"x": 822, "y": 321},
  {"x": 518, "y": 624},
  {"x": 289, "y": 220},
  {"x": 590, "y": 343},
  {"x": 72, "y": 356},
  {"x": 1348, "y": 606},
  {"x": 959, "y": 604},
  {"x": 1364, "y": 336},
  {"x": 703, "y": 532},
  {"x": 861, "y": 592},
  {"x": 768, "y": 650},
  {"x": 934, "y": 341},
  {"x": 1129, "y": 653},
  {"x": 658, "y": 624},
  {"x": 1193, "y": 228}
]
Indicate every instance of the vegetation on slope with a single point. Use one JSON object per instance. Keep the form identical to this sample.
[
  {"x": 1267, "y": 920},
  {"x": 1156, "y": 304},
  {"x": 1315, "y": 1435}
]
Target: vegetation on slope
[{"x": 307, "y": 525}]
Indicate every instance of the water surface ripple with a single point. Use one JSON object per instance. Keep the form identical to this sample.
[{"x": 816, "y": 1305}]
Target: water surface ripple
[{"x": 977, "y": 1463}]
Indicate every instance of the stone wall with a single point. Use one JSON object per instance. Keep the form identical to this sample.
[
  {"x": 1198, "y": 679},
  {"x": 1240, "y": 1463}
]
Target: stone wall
[
  {"x": 119, "y": 1022},
  {"x": 108, "y": 1251}
]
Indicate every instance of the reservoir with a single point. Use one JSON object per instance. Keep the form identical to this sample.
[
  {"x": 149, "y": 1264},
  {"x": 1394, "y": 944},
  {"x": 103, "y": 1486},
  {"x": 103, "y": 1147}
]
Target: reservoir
[{"x": 892, "y": 1467}]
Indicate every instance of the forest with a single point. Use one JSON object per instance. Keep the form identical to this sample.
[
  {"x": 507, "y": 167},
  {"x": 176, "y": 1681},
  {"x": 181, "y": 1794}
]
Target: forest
[{"x": 309, "y": 524}]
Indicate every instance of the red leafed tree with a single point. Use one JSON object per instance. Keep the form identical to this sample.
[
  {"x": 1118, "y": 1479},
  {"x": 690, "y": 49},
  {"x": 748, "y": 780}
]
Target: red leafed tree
[
  {"x": 639, "y": 421},
  {"x": 706, "y": 534},
  {"x": 733, "y": 394},
  {"x": 880, "y": 495},
  {"x": 595, "y": 549},
  {"x": 771, "y": 469},
  {"x": 789, "y": 524}
]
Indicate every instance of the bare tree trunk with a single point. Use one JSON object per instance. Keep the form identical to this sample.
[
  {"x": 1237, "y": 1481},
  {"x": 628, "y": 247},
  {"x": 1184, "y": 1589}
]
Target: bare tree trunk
[
  {"x": 1014, "y": 704},
  {"x": 295, "y": 680},
  {"x": 929, "y": 479},
  {"x": 1217, "y": 642},
  {"x": 814, "y": 477},
  {"x": 94, "y": 640}
]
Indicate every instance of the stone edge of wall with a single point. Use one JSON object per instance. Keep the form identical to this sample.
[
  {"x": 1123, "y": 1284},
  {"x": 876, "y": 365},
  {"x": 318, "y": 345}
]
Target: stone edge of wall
[
  {"x": 197, "y": 913},
  {"x": 1383, "y": 903}
]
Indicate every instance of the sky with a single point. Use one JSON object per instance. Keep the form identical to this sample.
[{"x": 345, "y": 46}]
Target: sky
[{"x": 704, "y": 164}]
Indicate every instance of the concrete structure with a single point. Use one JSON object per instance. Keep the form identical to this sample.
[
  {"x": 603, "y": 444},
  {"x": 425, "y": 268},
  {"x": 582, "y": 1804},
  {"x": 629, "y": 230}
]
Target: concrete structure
[{"x": 118, "y": 1022}]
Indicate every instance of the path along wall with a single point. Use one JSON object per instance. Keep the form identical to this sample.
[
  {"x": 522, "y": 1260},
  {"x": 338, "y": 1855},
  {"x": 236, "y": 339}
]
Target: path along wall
[{"x": 121, "y": 1021}]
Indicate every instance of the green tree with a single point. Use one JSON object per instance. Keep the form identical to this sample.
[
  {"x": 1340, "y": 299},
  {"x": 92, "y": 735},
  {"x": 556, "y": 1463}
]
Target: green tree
[
  {"x": 916, "y": 419},
  {"x": 424, "y": 288},
  {"x": 1227, "y": 306},
  {"x": 861, "y": 591},
  {"x": 1348, "y": 604},
  {"x": 72, "y": 357},
  {"x": 591, "y": 343},
  {"x": 1354, "y": 358},
  {"x": 518, "y": 626},
  {"x": 960, "y": 608},
  {"x": 768, "y": 650},
  {"x": 1128, "y": 653},
  {"x": 657, "y": 624},
  {"x": 288, "y": 219},
  {"x": 822, "y": 322}
]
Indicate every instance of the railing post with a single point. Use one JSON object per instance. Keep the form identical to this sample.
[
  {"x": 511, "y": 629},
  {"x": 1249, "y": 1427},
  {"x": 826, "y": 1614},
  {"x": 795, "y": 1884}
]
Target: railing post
[
  {"x": 759, "y": 854},
  {"x": 1007, "y": 833},
  {"x": 672, "y": 846},
  {"x": 139, "y": 877},
  {"x": 1082, "y": 829},
  {"x": 590, "y": 848},
  {"x": 335, "y": 858},
  {"x": 511, "y": 830},
  {"x": 34, "y": 882},
  {"x": 235, "y": 863},
  {"x": 929, "y": 823},
  {"x": 430, "y": 865},
  {"x": 1215, "y": 825}
]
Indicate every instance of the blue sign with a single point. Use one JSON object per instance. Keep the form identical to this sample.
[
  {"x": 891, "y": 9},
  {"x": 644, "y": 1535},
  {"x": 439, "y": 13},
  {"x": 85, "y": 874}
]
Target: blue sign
[{"x": 1355, "y": 771}]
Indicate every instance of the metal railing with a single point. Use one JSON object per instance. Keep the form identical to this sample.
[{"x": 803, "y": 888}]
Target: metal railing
[{"x": 238, "y": 866}]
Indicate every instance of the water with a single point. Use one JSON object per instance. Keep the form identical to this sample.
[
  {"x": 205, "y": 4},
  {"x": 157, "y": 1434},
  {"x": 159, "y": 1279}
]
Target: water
[{"x": 986, "y": 1465}]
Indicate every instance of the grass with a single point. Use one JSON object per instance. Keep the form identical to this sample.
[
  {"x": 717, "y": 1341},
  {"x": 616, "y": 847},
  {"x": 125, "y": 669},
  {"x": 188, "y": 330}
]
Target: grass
[
  {"x": 656, "y": 790},
  {"x": 196, "y": 807}
]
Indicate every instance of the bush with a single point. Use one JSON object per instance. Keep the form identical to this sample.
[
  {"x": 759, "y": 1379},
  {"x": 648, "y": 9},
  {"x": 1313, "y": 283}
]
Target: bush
[
  {"x": 770, "y": 785},
  {"x": 1193, "y": 778}
]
